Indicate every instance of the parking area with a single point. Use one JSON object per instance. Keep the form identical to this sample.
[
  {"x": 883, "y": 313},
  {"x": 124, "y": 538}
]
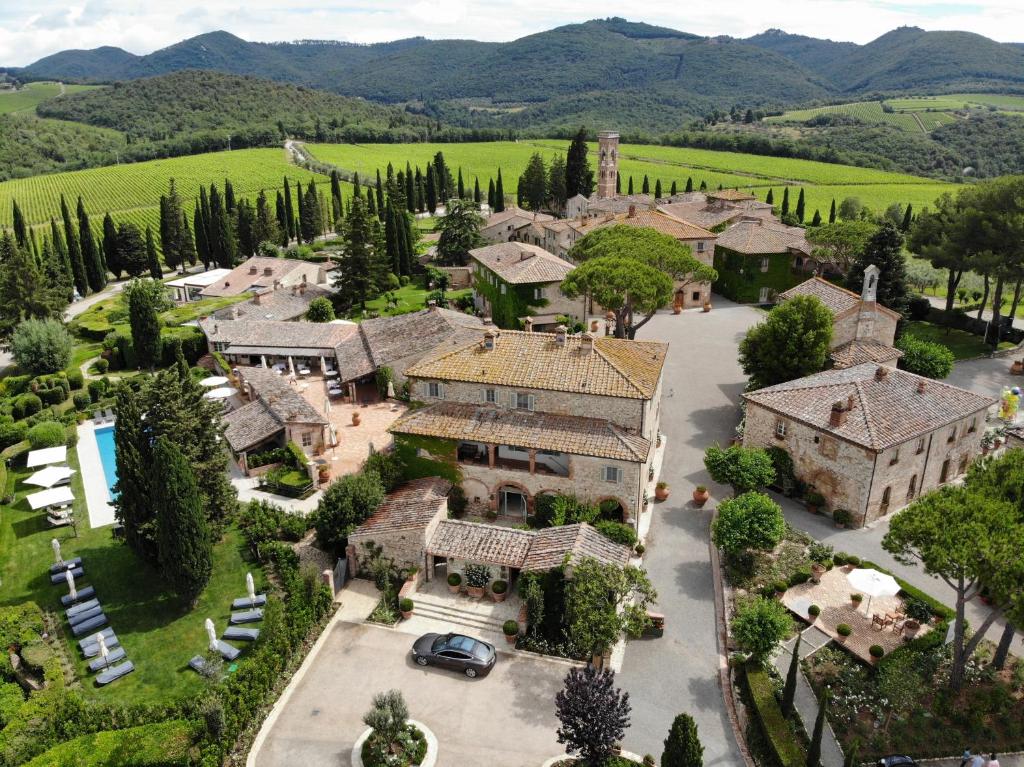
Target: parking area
[{"x": 504, "y": 720}]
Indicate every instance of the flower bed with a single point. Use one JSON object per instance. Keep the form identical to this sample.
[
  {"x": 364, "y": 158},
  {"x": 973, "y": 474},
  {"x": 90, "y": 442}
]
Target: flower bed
[{"x": 410, "y": 749}]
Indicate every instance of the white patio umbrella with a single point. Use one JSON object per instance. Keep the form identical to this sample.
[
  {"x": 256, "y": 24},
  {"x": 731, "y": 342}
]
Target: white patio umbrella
[
  {"x": 46, "y": 455},
  {"x": 55, "y": 545},
  {"x": 250, "y": 588},
  {"x": 51, "y": 497},
  {"x": 213, "y": 381},
  {"x": 872, "y": 583},
  {"x": 101, "y": 643},
  {"x": 291, "y": 367},
  {"x": 50, "y": 476},
  {"x": 211, "y": 632},
  {"x": 222, "y": 393},
  {"x": 70, "y": 578},
  {"x": 391, "y": 390},
  {"x": 327, "y": 404}
]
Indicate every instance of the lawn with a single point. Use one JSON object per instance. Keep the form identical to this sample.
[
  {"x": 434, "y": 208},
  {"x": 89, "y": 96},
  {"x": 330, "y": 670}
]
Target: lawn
[
  {"x": 158, "y": 632},
  {"x": 964, "y": 345},
  {"x": 410, "y": 298},
  {"x": 101, "y": 317}
]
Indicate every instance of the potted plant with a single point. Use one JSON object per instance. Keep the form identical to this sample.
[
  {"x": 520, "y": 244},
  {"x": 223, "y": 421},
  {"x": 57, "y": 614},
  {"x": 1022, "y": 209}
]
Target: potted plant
[
  {"x": 454, "y": 582},
  {"x": 780, "y": 588},
  {"x": 647, "y": 499},
  {"x": 707, "y": 306},
  {"x": 410, "y": 573},
  {"x": 910, "y": 628},
  {"x": 677, "y": 309},
  {"x": 876, "y": 651},
  {"x": 477, "y": 578},
  {"x": 856, "y": 599},
  {"x": 842, "y": 517},
  {"x": 593, "y": 326},
  {"x": 639, "y": 549},
  {"x": 405, "y": 606},
  {"x": 817, "y": 570},
  {"x": 649, "y": 761},
  {"x": 852, "y": 562},
  {"x": 661, "y": 491},
  {"x": 844, "y": 631},
  {"x": 499, "y": 590},
  {"x": 323, "y": 472},
  {"x": 510, "y": 629},
  {"x": 700, "y": 495},
  {"x": 1017, "y": 367},
  {"x": 814, "y": 501},
  {"x": 355, "y": 418},
  {"x": 813, "y": 612}
]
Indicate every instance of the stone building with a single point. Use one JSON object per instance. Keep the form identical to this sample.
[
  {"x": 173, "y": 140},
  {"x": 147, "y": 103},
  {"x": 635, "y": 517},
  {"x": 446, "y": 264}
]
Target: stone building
[
  {"x": 505, "y": 225},
  {"x": 264, "y": 272},
  {"x": 862, "y": 329},
  {"x": 869, "y": 438},
  {"x": 716, "y": 210},
  {"x": 514, "y": 280},
  {"x": 525, "y": 414},
  {"x": 758, "y": 258},
  {"x": 607, "y": 163}
]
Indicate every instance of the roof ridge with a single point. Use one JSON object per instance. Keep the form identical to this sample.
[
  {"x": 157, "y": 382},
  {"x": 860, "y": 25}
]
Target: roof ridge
[{"x": 869, "y": 422}]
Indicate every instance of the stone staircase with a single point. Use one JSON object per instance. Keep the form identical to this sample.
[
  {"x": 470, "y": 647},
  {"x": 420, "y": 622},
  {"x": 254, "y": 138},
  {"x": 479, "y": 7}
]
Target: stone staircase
[{"x": 460, "y": 613}]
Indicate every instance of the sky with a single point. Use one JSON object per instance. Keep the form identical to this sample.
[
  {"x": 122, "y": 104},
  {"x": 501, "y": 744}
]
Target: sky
[{"x": 31, "y": 30}]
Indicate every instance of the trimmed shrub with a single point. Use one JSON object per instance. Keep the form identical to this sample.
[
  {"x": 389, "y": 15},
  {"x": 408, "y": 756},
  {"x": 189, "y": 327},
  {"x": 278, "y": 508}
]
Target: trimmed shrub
[
  {"x": 619, "y": 532},
  {"x": 41, "y": 346},
  {"x": 925, "y": 358},
  {"x": 153, "y": 745},
  {"x": 779, "y": 587},
  {"x": 814, "y": 611},
  {"x": 97, "y": 389},
  {"x": 46, "y": 434},
  {"x": 405, "y": 605},
  {"x": 12, "y": 433},
  {"x": 919, "y": 308},
  {"x": 28, "y": 404},
  {"x": 783, "y": 742},
  {"x": 499, "y": 587},
  {"x": 802, "y": 575},
  {"x": 53, "y": 396},
  {"x": 454, "y": 579},
  {"x": 853, "y": 560},
  {"x": 759, "y": 625},
  {"x": 510, "y": 628},
  {"x": 844, "y": 630},
  {"x": 876, "y": 651},
  {"x": 102, "y": 365},
  {"x": 75, "y": 379}
]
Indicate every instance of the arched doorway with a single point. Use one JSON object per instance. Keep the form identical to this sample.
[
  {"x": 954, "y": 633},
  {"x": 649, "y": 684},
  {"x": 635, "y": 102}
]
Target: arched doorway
[
  {"x": 612, "y": 508},
  {"x": 512, "y": 500}
]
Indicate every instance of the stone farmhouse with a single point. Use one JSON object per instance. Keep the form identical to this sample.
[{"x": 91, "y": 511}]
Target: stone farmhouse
[
  {"x": 715, "y": 210},
  {"x": 758, "y": 258},
  {"x": 515, "y": 280},
  {"x": 263, "y": 272},
  {"x": 869, "y": 438},
  {"x": 413, "y": 529},
  {"x": 862, "y": 329},
  {"x": 525, "y": 414},
  {"x": 505, "y": 225},
  {"x": 275, "y": 304}
]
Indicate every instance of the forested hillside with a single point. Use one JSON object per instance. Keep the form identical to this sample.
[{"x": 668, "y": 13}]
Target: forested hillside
[{"x": 29, "y": 146}]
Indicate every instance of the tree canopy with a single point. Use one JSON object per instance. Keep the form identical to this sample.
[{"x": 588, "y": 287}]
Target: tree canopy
[
  {"x": 748, "y": 521},
  {"x": 792, "y": 342},
  {"x": 460, "y": 232},
  {"x": 41, "y": 346},
  {"x": 742, "y": 468},
  {"x": 885, "y": 250},
  {"x": 593, "y": 714},
  {"x": 840, "y": 243}
]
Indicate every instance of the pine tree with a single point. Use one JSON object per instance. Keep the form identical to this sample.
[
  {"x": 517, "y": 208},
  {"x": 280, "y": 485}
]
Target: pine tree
[
  {"x": 789, "y": 691},
  {"x": 800, "y": 206},
  {"x": 499, "y": 194},
  {"x": 689, "y": 184},
  {"x": 785, "y": 201},
  {"x": 289, "y": 211},
  {"x": 673, "y": 191},
  {"x": 91, "y": 258},
  {"x": 579, "y": 178},
  {"x": 629, "y": 188},
  {"x": 646, "y": 188},
  {"x": 361, "y": 258},
  {"x": 183, "y": 536},
  {"x": 657, "y": 189},
  {"x": 24, "y": 293},
  {"x": 143, "y": 298},
  {"x": 816, "y": 220},
  {"x": 199, "y": 225},
  {"x": 476, "y": 190},
  {"x": 682, "y": 746},
  {"x": 151, "y": 258},
  {"x": 770, "y": 198},
  {"x": 832, "y": 212},
  {"x": 110, "y": 247},
  {"x": 74, "y": 251},
  {"x": 908, "y": 218},
  {"x": 814, "y": 749}
]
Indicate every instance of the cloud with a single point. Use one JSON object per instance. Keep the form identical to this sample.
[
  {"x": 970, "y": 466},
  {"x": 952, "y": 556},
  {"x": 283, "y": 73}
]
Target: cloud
[{"x": 29, "y": 31}]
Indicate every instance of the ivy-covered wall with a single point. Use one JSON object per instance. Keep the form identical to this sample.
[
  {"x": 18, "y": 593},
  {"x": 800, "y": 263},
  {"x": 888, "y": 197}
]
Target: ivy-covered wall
[
  {"x": 740, "y": 277},
  {"x": 507, "y": 308}
]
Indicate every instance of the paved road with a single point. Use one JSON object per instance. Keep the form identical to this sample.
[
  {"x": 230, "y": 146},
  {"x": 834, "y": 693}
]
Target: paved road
[{"x": 679, "y": 672}]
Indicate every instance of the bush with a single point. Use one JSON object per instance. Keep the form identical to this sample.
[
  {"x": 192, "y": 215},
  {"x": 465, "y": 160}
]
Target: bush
[
  {"x": 919, "y": 308},
  {"x": 619, "y": 532},
  {"x": 12, "y": 433},
  {"x": 75, "y": 379},
  {"x": 840, "y": 558},
  {"x": 274, "y": 455},
  {"x": 102, "y": 365},
  {"x": 41, "y": 346},
  {"x": 783, "y": 742},
  {"x": 802, "y": 575},
  {"x": 749, "y": 521},
  {"x": 510, "y": 628},
  {"x": 46, "y": 434},
  {"x": 97, "y": 390},
  {"x": 876, "y": 651},
  {"x": 81, "y": 400},
  {"x": 388, "y": 466},
  {"x": 851, "y": 559},
  {"x": 814, "y": 498},
  {"x": 346, "y": 504},
  {"x": 924, "y": 358},
  {"x": 744, "y": 469},
  {"x": 298, "y": 458},
  {"x": 814, "y": 611},
  {"x": 759, "y": 625},
  {"x": 160, "y": 744},
  {"x": 499, "y": 587},
  {"x": 28, "y": 404},
  {"x": 11, "y": 698},
  {"x": 779, "y": 587},
  {"x": 454, "y": 579},
  {"x": 320, "y": 310},
  {"x": 855, "y": 597},
  {"x": 842, "y": 517},
  {"x": 457, "y": 501},
  {"x": 844, "y": 630},
  {"x": 405, "y": 605},
  {"x": 53, "y": 396}
]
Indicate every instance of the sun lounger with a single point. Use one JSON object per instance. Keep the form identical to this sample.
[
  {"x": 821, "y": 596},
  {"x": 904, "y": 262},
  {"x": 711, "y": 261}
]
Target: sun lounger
[
  {"x": 115, "y": 655},
  {"x": 58, "y": 521},
  {"x": 82, "y": 594},
  {"x": 67, "y": 564},
  {"x": 92, "y": 650},
  {"x": 81, "y": 607},
  {"x": 244, "y": 602},
  {"x": 115, "y": 672},
  {"x": 90, "y": 625},
  {"x": 236, "y": 632},
  {"x": 107, "y": 634},
  {"x": 85, "y": 615},
  {"x": 78, "y": 572},
  {"x": 227, "y": 651},
  {"x": 108, "y": 414},
  {"x": 248, "y": 616}
]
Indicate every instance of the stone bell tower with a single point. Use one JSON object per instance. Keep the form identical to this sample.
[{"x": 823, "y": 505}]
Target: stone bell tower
[
  {"x": 870, "y": 288},
  {"x": 608, "y": 163}
]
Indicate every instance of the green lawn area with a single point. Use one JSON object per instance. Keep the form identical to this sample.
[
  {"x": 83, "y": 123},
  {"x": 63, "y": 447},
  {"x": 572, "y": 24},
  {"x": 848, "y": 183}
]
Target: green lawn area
[
  {"x": 409, "y": 298},
  {"x": 158, "y": 632},
  {"x": 102, "y": 316},
  {"x": 964, "y": 345}
]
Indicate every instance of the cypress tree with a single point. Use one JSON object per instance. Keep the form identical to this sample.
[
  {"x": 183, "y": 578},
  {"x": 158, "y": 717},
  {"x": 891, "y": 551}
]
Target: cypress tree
[
  {"x": 443, "y": 177},
  {"x": 682, "y": 746},
  {"x": 289, "y": 211},
  {"x": 832, "y": 212},
  {"x": 499, "y": 194},
  {"x": 131, "y": 249},
  {"x": 579, "y": 179},
  {"x": 461, "y": 186},
  {"x": 282, "y": 220},
  {"x": 371, "y": 206},
  {"x": 226, "y": 248},
  {"x": 187, "y": 249},
  {"x": 93, "y": 262},
  {"x": 151, "y": 258},
  {"x": 166, "y": 237},
  {"x": 816, "y": 220},
  {"x": 74, "y": 251},
  {"x": 408, "y": 245},
  {"x": 391, "y": 242},
  {"x": 357, "y": 189},
  {"x": 689, "y": 184},
  {"x": 379, "y": 192},
  {"x": 657, "y": 189},
  {"x": 785, "y": 201},
  {"x": 20, "y": 228},
  {"x": 789, "y": 691},
  {"x": 674, "y": 190},
  {"x": 208, "y": 223},
  {"x": 703, "y": 185},
  {"x": 770, "y": 198},
  {"x": 476, "y": 190},
  {"x": 131, "y": 456},
  {"x": 299, "y": 203},
  {"x": 646, "y": 188},
  {"x": 618, "y": 183},
  {"x": 60, "y": 252},
  {"x": 421, "y": 192},
  {"x": 629, "y": 188},
  {"x": 490, "y": 194},
  {"x": 814, "y": 749},
  {"x": 355, "y": 280},
  {"x": 908, "y": 218},
  {"x": 245, "y": 219},
  {"x": 431, "y": 189},
  {"x": 336, "y": 186},
  {"x": 800, "y": 206},
  {"x": 183, "y": 536},
  {"x": 410, "y": 189},
  {"x": 229, "y": 196},
  {"x": 110, "y": 247},
  {"x": 202, "y": 244},
  {"x": 142, "y": 297},
  {"x": 55, "y": 273}
]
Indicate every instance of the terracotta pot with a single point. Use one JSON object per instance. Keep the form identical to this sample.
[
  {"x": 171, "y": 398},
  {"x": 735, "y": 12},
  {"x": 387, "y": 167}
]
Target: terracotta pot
[
  {"x": 499, "y": 597},
  {"x": 841, "y": 638},
  {"x": 355, "y": 419},
  {"x": 840, "y": 525},
  {"x": 855, "y": 603},
  {"x": 455, "y": 589},
  {"x": 700, "y": 498},
  {"x": 707, "y": 306},
  {"x": 817, "y": 570},
  {"x": 406, "y": 615},
  {"x": 1017, "y": 368},
  {"x": 661, "y": 493},
  {"x": 593, "y": 326},
  {"x": 910, "y": 628},
  {"x": 812, "y": 508},
  {"x": 475, "y": 592},
  {"x": 677, "y": 310},
  {"x": 324, "y": 474},
  {"x": 511, "y": 639}
]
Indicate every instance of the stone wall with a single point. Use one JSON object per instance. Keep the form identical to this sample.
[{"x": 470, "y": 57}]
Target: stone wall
[
  {"x": 873, "y": 324},
  {"x": 406, "y": 547}
]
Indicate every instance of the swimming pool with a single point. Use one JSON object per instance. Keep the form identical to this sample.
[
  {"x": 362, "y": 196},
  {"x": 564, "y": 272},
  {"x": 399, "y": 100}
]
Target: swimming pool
[{"x": 105, "y": 442}]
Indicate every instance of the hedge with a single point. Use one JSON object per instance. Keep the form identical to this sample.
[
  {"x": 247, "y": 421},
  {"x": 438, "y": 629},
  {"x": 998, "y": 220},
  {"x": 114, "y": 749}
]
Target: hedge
[
  {"x": 787, "y": 749},
  {"x": 163, "y": 744},
  {"x": 46, "y": 434},
  {"x": 299, "y": 459}
]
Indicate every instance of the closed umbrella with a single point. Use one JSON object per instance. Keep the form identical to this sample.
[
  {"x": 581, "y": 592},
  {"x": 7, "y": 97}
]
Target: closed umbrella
[
  {"x": 222, "y": 393},
  {"x": 55, "y": 545},
  {"x": 391, "y": 390},
  {"x": 101, "y": 643},
  {"x": 873, "y": 583},
  {"x": 211, "y": 632},
  {"x": 70, "y": 578},
  {"x": 212, "y": 382},
  {"x": 250, "y": 588}
]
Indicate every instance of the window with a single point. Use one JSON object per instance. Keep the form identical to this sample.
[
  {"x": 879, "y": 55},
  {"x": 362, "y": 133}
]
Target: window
[
  {"x": 920, "y": 446},
  {"x": 884, "y": 506},
  {"x": 307, "y": 439},
  {"x": 765, "y": 262},
  {"x": 503, "y": 288},
  {"x": 912, "y": 489},
  {"x": 524, "y": 401},
  {"x": 700, "y": 246},
  {"x": 780, "y": 429},
  {"x": 895, "y": 457},
  {"x": 611, "y": 474},
  {"x": 963, "y": 466},
  {"x": 973, "y": 427},
  {"x": 952, "y": 435},
  {"x": 491, "y": 395},
  {"x": 695, "y": 295},
  {"x": 538, "y": 293},
  {"x": 434, "y": 389}
]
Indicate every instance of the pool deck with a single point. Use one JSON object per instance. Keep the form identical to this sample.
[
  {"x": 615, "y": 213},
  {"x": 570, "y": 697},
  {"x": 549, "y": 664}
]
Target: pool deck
[{"x": 94, "y": 480}]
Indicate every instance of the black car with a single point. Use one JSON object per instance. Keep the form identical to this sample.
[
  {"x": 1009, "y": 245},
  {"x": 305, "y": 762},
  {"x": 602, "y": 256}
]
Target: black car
[
  {"x": 462, "y": 653},
  {"x": 896, "y": 760}
]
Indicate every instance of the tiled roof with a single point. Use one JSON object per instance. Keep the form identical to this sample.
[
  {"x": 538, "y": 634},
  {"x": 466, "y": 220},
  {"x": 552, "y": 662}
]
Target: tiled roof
[
  {"x": 619, "y": 204},
  {"x": 280, "y": 305},
  {"x": 249, "y": 425},
  {"x": 410, "y": 507},
  {"x": 653, "y": 219},
  {"x": 615, "y": 368},
  {"x": 253, "y": 271},
  {"x": 540, "y": 431},
  {"x": 859, "y": 352},
  {"x": 551, "y": 544},
  {"x": 763, "y": 237},
  {"x": 700, "y": 214},
  {"x": 286, "y": 404},
  {"x": 475, "y": 542},
  {"x": 886, "y": 411},
  {"x": 519, "y": 263},
  {"x": 323, "y": 336},
  {"x": 514, "y": 212},
  {"x": 837, "y": 299},
  {"x": 732, "y": 195},
  {"x": 384, "y": 340}
]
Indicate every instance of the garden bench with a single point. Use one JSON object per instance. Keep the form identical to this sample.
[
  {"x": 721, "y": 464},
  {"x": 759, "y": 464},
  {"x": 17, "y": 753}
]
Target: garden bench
[
  {"x": 227, "y": 651},
  {"x": 248, "y": 616},
  {"x": 243, "y": 602},
  {"x": 67, "y": 564},
  {"x": 81, "y": 607},
  {"x": 77, "y": 572},
  {"x": 90, "y": 625},
  {"x": 107, "y": 634},
  {"x": 92, "y": 650},
  {"x": 85, "y": 615}
]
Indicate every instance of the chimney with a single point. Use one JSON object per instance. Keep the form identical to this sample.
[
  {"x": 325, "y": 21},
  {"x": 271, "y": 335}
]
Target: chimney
[
  {"x": 234, "y": 312},
  {"x": 253, "y": 269},
  {"x": 256, "y": 299},
  {"x": 881, "y": 373},
  {"x": 488, "y": 321},
  {"x": 277, "y": 284},
  {"x": 528, "y": 324},
  {"x": 632, "y": 211},
  {"x": 432, "y": 304},
  {"x": 268, "y": 271},
  {"x": 922, "y": 387},
  {"x": 490, "y": 338},
  {"x": 214, "y": 329},
  {"x": 560, "y": 332},
  {"x": 849, "y": 402},
  {"x": 586, "y": 343},
  {"x": 295, "y": 290},
  {"x": 838, "y": 415}
]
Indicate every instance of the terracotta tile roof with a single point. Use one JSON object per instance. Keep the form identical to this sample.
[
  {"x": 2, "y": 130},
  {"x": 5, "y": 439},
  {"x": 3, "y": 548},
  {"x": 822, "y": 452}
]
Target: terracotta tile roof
[
  {"x": 513, "y": 212},
  {"x": 886, "y": 411},
  {"x": 550, "y": 546},
  {"x": 410, "y": 507},
  {"x": 286, "y": 404},
  {"x": 732, "y": 195},
  {"x": 254, "y": 271},
  {"x": 616, "y": 367},
  {"x": 520, "y": 263},
  {"x": 758, "y": 236},
  {"x": 249, "y": 425},
  {"x": 859, "y": 352},
  {"x": 541, "y": 431},
  {"x": 653, "y": 219},
  {"x": 280, "y": 305},
  {"x": 479, "y": 543},
  {"x": 837, "y": 299},
  {"x": 273, "y": 334},
  {"x": 619, "y": 203}
]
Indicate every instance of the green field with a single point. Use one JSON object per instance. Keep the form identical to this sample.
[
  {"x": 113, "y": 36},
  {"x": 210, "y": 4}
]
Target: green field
[
  {"x": 869, "y": 112},
  {"x": 755, "y": 173},
  {"x": 131, "y": 192},
  {"x": 25, "y": 99}
]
